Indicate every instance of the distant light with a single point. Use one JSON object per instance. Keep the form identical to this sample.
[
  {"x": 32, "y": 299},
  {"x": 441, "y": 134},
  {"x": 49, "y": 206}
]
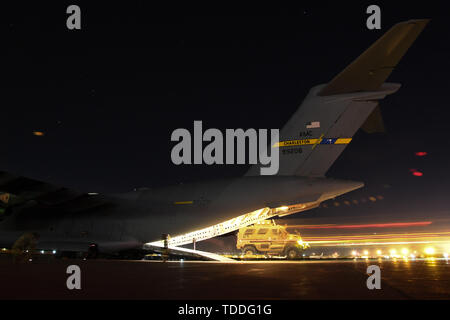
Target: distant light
[
  {"x": 54, "y": 251},
  {"x": 445, "y": 255},
  {"x": 92, "y": 193},
  {"x": 417, "y": 173},
  {"x": 38, "y": 133},
  {"x": 421, "y": 153},
  {"x": 42, "y": 251},
  {"x": 366, "y": 252},
  {"x": 379, "y": 252},
  {"x": 354, "y": 253},
  {"x": 429, "y": 250},
  {"x": 405, "y": 251},
  {"x": 393, "y": 252}
]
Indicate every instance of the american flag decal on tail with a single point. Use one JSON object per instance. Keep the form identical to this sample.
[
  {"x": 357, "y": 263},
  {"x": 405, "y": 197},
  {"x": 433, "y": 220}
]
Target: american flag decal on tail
[{"x": 312, "y": 125}]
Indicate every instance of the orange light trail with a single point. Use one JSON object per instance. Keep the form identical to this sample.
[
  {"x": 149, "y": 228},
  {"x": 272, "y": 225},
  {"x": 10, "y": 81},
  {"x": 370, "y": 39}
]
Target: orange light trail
[
  {"x": 380, "y": 239},
  {"x": 358, "y": 226}
]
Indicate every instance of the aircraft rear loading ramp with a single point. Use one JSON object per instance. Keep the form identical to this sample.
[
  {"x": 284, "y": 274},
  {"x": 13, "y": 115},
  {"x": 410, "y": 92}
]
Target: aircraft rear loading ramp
[
  {"x": 191, "y": 253},
  {"x": 222, "y": 229}
]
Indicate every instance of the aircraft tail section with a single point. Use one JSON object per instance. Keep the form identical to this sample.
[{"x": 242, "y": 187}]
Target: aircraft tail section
[
  {"x": 371, "y": 69},
  {"x": 331, "y": 114}
]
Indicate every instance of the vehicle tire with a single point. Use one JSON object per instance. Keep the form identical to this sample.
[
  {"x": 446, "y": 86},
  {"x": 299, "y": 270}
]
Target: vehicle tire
[
  {"x": 249, "y": 250},
  {"x": 292, "y": 253}
]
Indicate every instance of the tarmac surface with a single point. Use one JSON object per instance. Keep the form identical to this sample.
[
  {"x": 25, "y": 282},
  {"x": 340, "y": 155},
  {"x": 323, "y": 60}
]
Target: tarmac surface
[{"x": 118, "y": 279}]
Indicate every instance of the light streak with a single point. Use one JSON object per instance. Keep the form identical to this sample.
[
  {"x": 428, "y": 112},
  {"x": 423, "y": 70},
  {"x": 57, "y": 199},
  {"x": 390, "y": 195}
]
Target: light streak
[
  {"x": 359, "y": 226},
  {"x": 380, "y": 239}
]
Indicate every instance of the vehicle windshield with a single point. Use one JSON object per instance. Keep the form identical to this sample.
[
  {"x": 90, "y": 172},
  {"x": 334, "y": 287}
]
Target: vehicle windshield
[{"x": 284, "y": 233}]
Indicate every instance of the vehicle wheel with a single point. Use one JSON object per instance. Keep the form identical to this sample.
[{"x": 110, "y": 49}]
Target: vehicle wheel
[
  {"x": 292, "y": 253},
  {"x": 249, "y": 250}
]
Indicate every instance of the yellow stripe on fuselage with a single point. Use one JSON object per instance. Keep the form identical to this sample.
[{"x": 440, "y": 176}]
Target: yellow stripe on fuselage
[
  {"x": 184, "y": 202},
  {"x": 305, "y": 142},
  {"x": 291, "y": 143},
  {"x": 343, "y": 141}
]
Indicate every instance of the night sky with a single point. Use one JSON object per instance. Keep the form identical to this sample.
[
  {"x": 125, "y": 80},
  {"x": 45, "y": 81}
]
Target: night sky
[{"x": 108, "y": 97}]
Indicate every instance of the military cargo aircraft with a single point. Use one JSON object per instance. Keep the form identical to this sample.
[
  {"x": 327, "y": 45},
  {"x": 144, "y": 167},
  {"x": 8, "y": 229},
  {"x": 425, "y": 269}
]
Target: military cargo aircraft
[{"x": 66, "y": 220}]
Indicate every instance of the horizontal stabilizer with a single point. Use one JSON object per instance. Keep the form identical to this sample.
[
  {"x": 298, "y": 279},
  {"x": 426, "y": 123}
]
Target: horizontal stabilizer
[{"x": 17, "y": 190}]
